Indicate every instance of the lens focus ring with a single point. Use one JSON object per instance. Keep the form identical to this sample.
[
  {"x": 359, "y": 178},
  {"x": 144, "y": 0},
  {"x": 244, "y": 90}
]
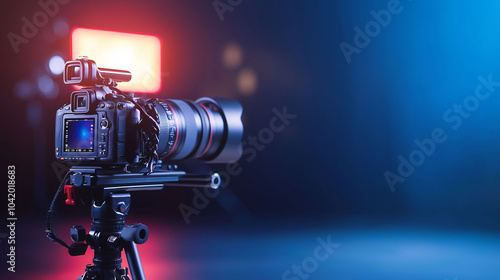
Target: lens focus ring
[{"x": 168, "y": 129}]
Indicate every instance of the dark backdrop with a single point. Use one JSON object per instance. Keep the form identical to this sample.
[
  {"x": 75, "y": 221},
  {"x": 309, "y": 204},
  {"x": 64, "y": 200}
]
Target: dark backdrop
[{"x": 358, "y": 116}]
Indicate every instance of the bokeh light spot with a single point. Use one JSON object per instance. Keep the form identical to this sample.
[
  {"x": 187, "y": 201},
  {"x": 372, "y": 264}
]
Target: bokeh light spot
[
  {"x": 247, "y": 81},
  {"x": 56, "y": 65},
  {"x": 24, "y": 89},
  {"x": 47, "y": 87},
  {"x": 61, "y": 28},
  {"x": 232, "y": 56}
]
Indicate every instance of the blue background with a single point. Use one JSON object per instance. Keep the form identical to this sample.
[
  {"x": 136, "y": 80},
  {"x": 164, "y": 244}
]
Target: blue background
[{"x": 324, "y": 173}]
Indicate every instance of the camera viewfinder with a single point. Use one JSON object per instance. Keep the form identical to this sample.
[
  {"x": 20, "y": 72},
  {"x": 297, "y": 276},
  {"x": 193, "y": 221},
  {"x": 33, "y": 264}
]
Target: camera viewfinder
[
  {"x": 80, "y": 101},
  {"x": 73, "y": 73}
]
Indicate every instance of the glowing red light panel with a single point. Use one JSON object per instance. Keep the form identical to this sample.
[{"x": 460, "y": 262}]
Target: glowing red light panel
[{"x": 137, "y": 53}]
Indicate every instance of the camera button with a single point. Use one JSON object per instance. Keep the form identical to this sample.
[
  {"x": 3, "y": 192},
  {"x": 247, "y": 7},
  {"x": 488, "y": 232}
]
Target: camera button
[{"x": 104, "y": 123}]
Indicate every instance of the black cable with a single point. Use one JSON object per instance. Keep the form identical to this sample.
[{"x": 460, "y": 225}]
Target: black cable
[{"x": 50, "y": 214}]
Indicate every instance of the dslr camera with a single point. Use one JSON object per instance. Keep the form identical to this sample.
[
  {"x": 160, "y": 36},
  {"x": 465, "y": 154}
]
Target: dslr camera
[
  {"x": 109, "y": 138},
  {"x": 103, "y": 126}
]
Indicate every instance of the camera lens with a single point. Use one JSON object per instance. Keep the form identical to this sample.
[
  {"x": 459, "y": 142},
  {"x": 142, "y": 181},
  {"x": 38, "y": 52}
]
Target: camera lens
[{"x": 209, "y": 129}]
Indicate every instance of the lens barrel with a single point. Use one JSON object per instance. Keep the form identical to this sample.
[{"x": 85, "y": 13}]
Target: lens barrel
[{"x": 209, "y": 129}]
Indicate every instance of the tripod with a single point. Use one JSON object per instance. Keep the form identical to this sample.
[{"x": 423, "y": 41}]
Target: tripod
[
  {"x": 111, "y": 199},
  {"x": 108, "y": 236}
]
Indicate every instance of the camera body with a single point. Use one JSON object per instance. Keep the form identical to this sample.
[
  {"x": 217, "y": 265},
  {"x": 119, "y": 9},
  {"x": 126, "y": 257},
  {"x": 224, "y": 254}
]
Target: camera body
[
  {"x": 93, "y": 131},
  {"x": 103, "y": 126}
]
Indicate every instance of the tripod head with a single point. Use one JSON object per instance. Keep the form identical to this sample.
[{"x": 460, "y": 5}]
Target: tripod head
[{"x": 110, "y": 191}]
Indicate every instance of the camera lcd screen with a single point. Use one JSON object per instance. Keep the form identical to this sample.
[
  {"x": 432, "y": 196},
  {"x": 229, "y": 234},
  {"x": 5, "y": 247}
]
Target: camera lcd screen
[{"x": 79, "y": 135}]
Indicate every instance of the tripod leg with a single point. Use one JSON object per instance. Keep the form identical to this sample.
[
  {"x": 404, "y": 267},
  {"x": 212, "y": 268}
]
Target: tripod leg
[
  {"x": 84, "y": 275},
  {"x": 134, "y": 261}
]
